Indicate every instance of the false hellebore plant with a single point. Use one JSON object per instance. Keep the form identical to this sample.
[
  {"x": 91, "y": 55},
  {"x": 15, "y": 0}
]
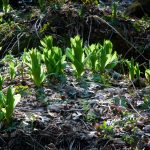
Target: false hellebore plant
[
  {"x": 101, "y": 57},
  {"x": 33, "y": 60},
  {"x": 106, "y": 58},
  {"x": 53, "y": 57},
  {"x": 7, "y": 104},
  {"x": 147, "y": 75},
  {"x": 92, "y": 54},
  {"x": 1, "y": 81},
  {"x": 76, "y": 55},
  {"x": 134, "y": 70}
]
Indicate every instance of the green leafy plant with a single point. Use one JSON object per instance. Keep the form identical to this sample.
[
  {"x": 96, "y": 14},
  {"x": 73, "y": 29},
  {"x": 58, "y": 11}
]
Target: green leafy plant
[
  {"x": 120, "y": 101},
  {"x": 53, "y": 57},
  {"x": 131, "y": 69},
  {"x": 47, "y": 42},
  {"x": 137, "y": 71},
  {"x": 22, "y": 90},
  {"x": 77, "y": 56},
  {"x": 12, "y": 71},
  {"x": 107, "y": 129},
  {"x": 134, "y": 70},
  {"x": 54, "y": 60},
  {"x": 8, "y": 103},
  {"x": 101, "y": 57},
  {"x": 146, "y": 103},
  {"x": 128, "y": 138},
  {"x": 114, "y": 10},
  {"x": 92, "y": 54},
  {"x": 85, "y": 105},
  {"x": 106, "y": 58},
  {"x": 147, "y": 75},
  {"x": 91, "y": 116},
  {"x": 33, "y": 60},
  {"x": 1, "y": 81},
  {"x": 8, "y": 58},
  {"x": 6, "y": 6}
]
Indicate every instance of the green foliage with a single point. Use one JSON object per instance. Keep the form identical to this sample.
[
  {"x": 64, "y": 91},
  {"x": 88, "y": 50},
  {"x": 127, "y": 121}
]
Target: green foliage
[
  {"x": 33, "y": 60},
  {"x": 114, "y": 10},
  {"x": 91, "y": 116},
  {"x": 7, "y": 104},
  {"x": 137, "y": 71},
  {"x": 47, "y": 42},
  {"x": 120, "y": 101},
  {"x": 133, "y": 69},
  {"x": 22, "y": 90},
  {"x": 92, "y": 54},
  {"x": 98, "y": 57},
  {"x": 147, "y": 75},
  {"x": 146, "y": 103},
  {"x": 107, "y": 129},
  {"x": 85, "y": 106},
  {"x": 6, "y": 6},
  {"x": 128, "y": 138},
  {"x": 12, "y": 71},
  {"x": 76, "y": 55},
  {"x": 54, "y": 60},
  {"x": 8, "y": 58},
  {"x": 101, "y": 57},
  {"x": 1, "y": 81},
  {"x": 106, "y": 58},
  {"x": 53, "y": 57}
]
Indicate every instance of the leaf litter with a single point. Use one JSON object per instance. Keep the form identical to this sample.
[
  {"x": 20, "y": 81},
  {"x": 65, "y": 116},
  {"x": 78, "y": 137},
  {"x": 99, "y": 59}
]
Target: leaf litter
[{"x": 72, "y": 115}]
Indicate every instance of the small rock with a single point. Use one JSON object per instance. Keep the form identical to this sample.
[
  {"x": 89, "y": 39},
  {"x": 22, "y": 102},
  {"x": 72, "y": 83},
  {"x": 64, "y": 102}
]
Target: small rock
[
  {"x": 147, "y": 128},
  {"x": 76, "y": 116}
]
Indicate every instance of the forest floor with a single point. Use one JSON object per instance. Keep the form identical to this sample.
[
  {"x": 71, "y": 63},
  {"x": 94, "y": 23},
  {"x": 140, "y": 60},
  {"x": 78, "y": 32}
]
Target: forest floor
[{"x": 90, "y": 113}]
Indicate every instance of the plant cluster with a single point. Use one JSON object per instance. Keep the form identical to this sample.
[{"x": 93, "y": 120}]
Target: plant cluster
[
  {"x": 53, "y": 57},
  {"x": 96, "y": 58},
  {"x": 76, "y": 55},
  {"x": 5, "y": 5},
  {"x": 7, "y": 104}
]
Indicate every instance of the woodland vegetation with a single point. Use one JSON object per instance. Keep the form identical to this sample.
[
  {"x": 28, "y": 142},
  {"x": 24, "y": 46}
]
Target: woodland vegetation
[{"x": 74, "y": 75}]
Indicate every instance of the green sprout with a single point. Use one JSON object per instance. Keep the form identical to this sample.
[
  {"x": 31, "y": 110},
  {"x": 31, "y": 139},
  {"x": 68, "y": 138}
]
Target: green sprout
[
  {"x": 53, "y": 57},
  {"x": 8, "y": 103},
  {"x": 147, "y": 75},
  {"x": 1, "y": 81},
  {"x": 12, "y": 70},
  {"x": 106, "y": 58},
  {"x": 33, "y": 60},
  {"x": 77, "y": 56}
]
